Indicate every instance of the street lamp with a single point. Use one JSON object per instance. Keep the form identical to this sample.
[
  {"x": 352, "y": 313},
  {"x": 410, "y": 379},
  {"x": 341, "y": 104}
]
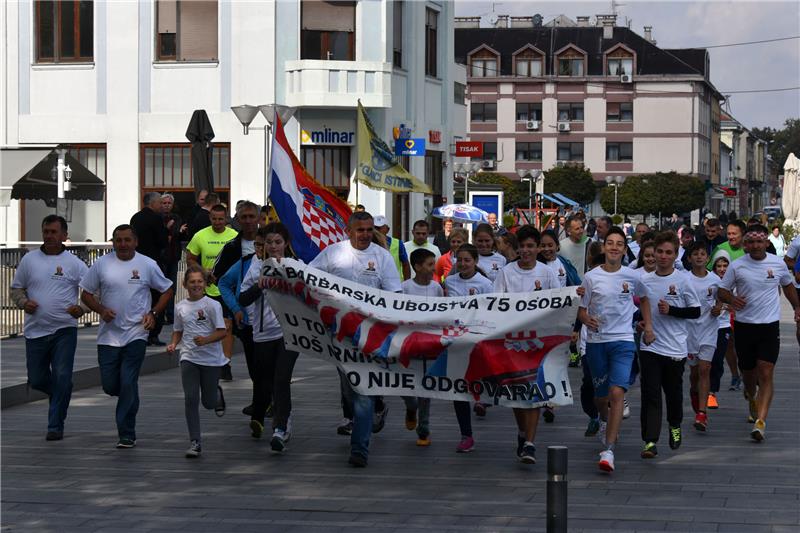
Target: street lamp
[
  {"x": 247, "y": 113},
  {"x": 615, "y": 181},
  {"x": 532, "y": 177},
  {"x": 468, "y": 170}
]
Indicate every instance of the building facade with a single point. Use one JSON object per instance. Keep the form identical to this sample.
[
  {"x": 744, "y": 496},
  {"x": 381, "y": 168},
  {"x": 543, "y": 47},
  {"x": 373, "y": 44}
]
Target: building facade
[
  {"x": 542, "y": 95},
  {"x": 118, "y": 84},
  {"x": 750, "y": 166}
]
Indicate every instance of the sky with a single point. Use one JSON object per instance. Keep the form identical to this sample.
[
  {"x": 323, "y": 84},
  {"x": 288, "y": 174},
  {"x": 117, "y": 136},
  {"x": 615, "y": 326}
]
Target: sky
[{"x": 688, "y": 24}]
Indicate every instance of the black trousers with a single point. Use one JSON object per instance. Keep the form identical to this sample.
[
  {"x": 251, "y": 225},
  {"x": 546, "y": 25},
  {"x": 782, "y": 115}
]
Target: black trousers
[
  {"x": 273, "y": 365},
  {"x": 718, "y": 362},
  {"x": 660, "y": 373},
  {"x": 245, "y": 334}
]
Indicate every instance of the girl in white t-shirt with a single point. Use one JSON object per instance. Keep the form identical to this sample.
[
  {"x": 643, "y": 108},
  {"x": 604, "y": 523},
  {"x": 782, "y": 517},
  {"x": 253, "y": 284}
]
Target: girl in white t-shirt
[
  {"x": 488, "y": 259},
  {"x": 723, "y": 338},
  {"x": 469, "y": 281},
  {"x": 197, "y": 332}
]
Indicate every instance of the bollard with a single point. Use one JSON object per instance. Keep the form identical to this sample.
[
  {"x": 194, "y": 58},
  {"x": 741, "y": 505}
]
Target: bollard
[{"x": 556, "y": 489}]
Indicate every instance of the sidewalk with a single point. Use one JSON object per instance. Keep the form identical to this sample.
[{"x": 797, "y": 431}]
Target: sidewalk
[{"x": 719, "y": 481}]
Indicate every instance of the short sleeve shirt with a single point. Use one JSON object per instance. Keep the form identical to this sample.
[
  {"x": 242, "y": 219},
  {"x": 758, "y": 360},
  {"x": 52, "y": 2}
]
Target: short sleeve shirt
[
  {"x": 703, "y": 330},
  {"x": 609, "y": 298},
  {"x": 52, "y": 282},
  {"x": 458, "y": 286},
  {"x": 124, "y": 287},
  {"x": 200, "y": 319},
  {"x": 757, "y": 282},
  {"x": 206, "y": 245},
  {"x": 373, "y": 267},
  {"x": 671, "y": 332},
  {"x": 558, "y": 269},
  {"x": 265, "y": 324},
  {"x": 432, "y": 289},
  {"x": 513, "y": 278},
  {"x": 491, "y": 264}
]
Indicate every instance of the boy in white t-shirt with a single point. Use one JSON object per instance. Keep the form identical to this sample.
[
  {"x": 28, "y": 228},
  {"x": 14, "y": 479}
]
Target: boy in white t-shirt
[
  {"x": 423, "y": 262},
  {"x": 198, "y": 331}
]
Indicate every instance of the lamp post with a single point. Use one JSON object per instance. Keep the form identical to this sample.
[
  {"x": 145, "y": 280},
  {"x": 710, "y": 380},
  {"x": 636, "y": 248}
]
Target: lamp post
[
  {"x": 246, "y": 114},
  {"x": 615, "y": 181},
  {"x": 468, "y": 170},
  {"x": 532, "y": 177}
]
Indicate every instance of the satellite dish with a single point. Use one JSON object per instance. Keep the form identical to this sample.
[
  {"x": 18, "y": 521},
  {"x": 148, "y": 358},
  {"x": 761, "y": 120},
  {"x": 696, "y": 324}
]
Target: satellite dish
[
  {"x": 537, "y": 21},
  {"x": 493, "y": 18}
]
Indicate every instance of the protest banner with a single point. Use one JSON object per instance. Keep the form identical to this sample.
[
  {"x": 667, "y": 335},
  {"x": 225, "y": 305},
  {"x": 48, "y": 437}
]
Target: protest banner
[{"x": 501, "y": 349}]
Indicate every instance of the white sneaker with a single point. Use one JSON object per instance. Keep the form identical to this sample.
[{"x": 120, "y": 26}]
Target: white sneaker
[
  {"x": 626, "y": 410},
  {"x": 606, "y": 463},
  {"x": 601, "y": 434},
  {"x": 278, "y": 442}
]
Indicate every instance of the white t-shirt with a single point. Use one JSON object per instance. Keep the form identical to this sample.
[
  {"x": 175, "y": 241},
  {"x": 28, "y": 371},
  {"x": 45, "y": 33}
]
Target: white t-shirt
[
  {"x": 373, "y": 267},
  {"x": 491, "y": 264},
  {"x": 558, "y": 269},
  {"x": 670, "y": 331},
  {"x": 265, "y": 324},
  {"x": 455, "y": 285},
  {"x": 432, "y": 289},
  {"x": 575, "y": 252},
  {"x": 200, "y": 319},
  {"x": 52, "y": 282},
  {"x": 411, "y": 246},
  {"x": 512, "y": 278},
  {"x": 248, "y": 247},
  {"x": 635, "y": 247},
  {"x": 124, "y": 287},
  {"x": 757, "y": 282},
  {"x": 703, "y": 331},
  {"x": 609, "y": 298}
]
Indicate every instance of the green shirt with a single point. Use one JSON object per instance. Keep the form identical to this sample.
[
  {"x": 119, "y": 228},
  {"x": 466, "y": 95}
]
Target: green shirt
[
  {"x": 733, "y": 253},
  {"x": 206, "y": 246}
]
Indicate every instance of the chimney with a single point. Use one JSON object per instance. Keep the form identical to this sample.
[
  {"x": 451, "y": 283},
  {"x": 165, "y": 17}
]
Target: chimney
[
  {"x": 502, "y": 21},
  {"x": 583, "y": 22},
  {"x": 608, "y": 29},
  {"x": 648, "y": 34},
  {"x": 521, "y": 22},
  {"x": 467, "y": 22}
]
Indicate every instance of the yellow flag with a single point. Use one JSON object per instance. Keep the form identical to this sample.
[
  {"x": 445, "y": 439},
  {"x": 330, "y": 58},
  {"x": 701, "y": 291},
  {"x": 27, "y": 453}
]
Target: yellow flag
[{"x": 378, "y": 168}]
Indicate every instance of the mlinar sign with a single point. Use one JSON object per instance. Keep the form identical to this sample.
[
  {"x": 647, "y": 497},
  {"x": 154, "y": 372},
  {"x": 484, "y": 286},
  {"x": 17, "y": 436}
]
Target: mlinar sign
[
  {"x": 330, "y": 132},
  {"x": 469, "y": 148}
]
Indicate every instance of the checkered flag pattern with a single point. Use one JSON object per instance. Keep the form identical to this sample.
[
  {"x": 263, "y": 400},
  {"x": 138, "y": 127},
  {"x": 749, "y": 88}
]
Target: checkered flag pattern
[{"x": 320, "y": 227}]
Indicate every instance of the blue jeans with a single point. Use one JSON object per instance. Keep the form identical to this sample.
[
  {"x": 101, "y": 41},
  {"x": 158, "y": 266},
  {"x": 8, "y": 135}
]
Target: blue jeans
[
  {"x": 119, "y": 373},
  {"x": 363, "y": 409},
  {"x": 49, "y": 360}
]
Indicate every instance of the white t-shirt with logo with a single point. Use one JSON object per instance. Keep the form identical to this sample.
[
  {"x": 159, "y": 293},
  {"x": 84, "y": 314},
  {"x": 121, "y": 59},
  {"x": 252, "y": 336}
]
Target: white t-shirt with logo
[
  {"x": 703, "y": 331},
  {"x": 512, "y": 278},
  {"x": 52, "y": 282},
  {"x": 558, "y": 269},
  {"x": 265, "y": 324},
  {"x": 455, "y": 285},
  {"x": 609, "y": 299},
  {"x": 671, "y": 332},
  {"x": 373, "y": 267},
  {"x": 431, "y": 290},
  {"x": 200, "y": 318},
  {"x": 124, "y": 287},
  {"x": 758, "y": 282},
  {"x": 491, "y": 264}
]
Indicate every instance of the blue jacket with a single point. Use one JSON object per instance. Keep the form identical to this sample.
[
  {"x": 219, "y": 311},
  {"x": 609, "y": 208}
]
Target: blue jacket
[
  {"x": 230, "y": 284},
  {"x": 573, "y": 278}
]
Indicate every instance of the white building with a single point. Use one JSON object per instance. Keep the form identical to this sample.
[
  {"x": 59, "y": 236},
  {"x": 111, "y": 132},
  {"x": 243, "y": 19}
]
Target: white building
[{"x": 120, "y": 98}]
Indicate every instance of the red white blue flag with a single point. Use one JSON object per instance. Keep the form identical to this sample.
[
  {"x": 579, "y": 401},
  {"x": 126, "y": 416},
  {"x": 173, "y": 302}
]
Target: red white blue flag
[{"x": 315, "y": 216}]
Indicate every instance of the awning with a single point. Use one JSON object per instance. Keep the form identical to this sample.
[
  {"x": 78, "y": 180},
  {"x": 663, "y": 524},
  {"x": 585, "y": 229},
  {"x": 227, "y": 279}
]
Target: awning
[
  {"x": 566, "y": 200},
  {"x": 551, "y": 199},
  {"x": 36, "y": 182},
  {"x": 15, "y": 164}
]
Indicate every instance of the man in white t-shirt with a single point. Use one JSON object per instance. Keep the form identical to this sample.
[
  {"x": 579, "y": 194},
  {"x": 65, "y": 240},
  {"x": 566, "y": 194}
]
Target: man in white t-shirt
[
  {"x": 574, "y": 247},
  {"x": 45, "y": 285},
  {"x": 755, "y": 278},
  {"x": 360, "y": 260},
  {"x": 123, "y": 279},
  {"x": 420, "y": 232}
]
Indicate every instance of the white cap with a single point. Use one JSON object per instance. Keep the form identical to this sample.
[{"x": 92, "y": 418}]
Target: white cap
[
  {"x": 380, "y": 221},
  {"x": 709, "y": 216}
]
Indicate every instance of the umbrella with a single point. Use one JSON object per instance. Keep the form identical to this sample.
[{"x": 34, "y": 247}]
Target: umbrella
[
  {"x": 200, "y": 134},
  {"x": 461, "y": 212},
  {"x": 791, "y": 189}
]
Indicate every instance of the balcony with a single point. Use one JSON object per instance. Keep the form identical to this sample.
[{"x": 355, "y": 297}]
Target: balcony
[{"x": 317, "y": 83}]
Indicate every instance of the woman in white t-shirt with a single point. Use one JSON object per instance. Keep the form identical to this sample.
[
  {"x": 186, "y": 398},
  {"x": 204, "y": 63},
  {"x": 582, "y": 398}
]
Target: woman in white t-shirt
[
  {"x": 489, "y": 261},
  {"x": 198, "y": 331}
]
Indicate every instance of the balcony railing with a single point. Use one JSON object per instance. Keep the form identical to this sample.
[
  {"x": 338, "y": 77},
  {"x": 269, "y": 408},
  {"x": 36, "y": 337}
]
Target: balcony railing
[{"x": 317, "y": 83}]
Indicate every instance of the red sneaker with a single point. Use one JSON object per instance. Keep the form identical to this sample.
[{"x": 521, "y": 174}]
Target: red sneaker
[{"x": 701, "y": 421}]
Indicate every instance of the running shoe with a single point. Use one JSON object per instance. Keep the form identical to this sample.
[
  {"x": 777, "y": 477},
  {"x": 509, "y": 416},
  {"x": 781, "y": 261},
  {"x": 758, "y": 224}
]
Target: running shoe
[
  {"x": 626, "y": 407},
  {"x": 649, "y": 451},
  {"x": 574, "y": 359},
  {"x": 753, "y": 406},
  {"x": 411, "y": 419},
  {"x": 601, "y": 433},
  {"x": 54, "y": 435},
  {"x": 606, "y": 463},
  {"x": 701, "y": 421},
  {"x": 126, "y": 443},
  {"x": 520, "y": 445},
  {"x": 674, "y": 438},
  {"x": 424, "y": 441},
  {"x": 549, "y": 415},
  {"x": 248, "y": 410},
  {"x": 528, "y": 455},
  {"x": 379, "y": 419},
  {"x": 345, "y": 427},
  {"x": 592, "y": 428},
  {"x": 466, "y": 445},
  {"x": 736, "y": 383},
  {"x": 194, "y": 450},
  {"x": 278, "y": 442},
  {"x": 358, "y": 461},
  {"x": 712, "y": 401},
  {"x": 219, "y": 410},
  {"x": 759, "y": 428},
  {"x": 256, "y": 429},
  {"x": 695, "y": 401},
  {"x": 479, "y": 409}
]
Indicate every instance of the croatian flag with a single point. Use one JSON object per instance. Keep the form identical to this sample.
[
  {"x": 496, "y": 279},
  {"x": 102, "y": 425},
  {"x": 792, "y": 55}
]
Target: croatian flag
[{"x": 314, "y": 216}]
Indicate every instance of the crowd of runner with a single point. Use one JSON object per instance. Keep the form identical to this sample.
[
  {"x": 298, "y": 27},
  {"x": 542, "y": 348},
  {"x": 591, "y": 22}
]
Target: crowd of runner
[{"x": 650, "y": 303}]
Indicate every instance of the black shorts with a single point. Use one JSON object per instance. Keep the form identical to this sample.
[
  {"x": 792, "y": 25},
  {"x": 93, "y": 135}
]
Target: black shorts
[
  {"x": 226, "y": 312},
  {"x": 756, "y": 342}
]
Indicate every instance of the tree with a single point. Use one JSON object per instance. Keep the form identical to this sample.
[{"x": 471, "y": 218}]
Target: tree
[
  {"x": 573, "y": 181},
  {"x": 662, "y": 192},
  {"x": 783, "y": 141}
]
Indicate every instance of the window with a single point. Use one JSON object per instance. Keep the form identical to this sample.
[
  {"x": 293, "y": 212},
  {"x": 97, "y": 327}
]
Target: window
[
  {"x": 570, "y": 151},
  {"x": 617, "y": 66},
  {"x": 489, "y": 152},
  {"x": 619, "y": 111},
  {"x": 328, "y": 165},
  {"x": 169, "y": 166},
  {"x": 570, "y": 112},
  {"x": 397, "y": 56},
  {"x": 483, "y": 64},
  {"x": 328, "y": 30},
  {"x": 459, "y": 93},
  {"x": 529, "y": 111},
  {"x": 483, "y": 113},
  {"x": 431, "y": 48},
  {"x": 186, "y": 30},
  {"x": 528, "y": 151},
  {"x": 64, "y": 31},
  {"x": 528, "y": 64},
  {"x": 571, "y": 65},
  {"x": 619, "y": 151}
]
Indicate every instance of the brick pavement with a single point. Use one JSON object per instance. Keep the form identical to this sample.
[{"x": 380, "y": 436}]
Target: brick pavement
[{"x": 715, "y": 482}]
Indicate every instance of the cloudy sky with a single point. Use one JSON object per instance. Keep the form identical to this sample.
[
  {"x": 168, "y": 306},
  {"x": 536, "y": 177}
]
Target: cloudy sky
[{"x": 686, "y": 24}]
